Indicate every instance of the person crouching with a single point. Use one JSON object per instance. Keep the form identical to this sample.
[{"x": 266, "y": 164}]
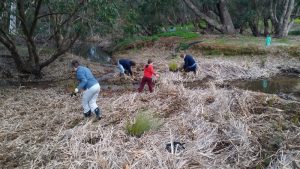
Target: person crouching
[{"x": 190, "y": 64}]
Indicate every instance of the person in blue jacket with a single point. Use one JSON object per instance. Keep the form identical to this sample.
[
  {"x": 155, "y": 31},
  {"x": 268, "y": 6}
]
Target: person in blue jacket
[
  {"x": 190, "y": 64},
  {"x": 90, "y": 87},
  {"x": 125, "y": 65}
]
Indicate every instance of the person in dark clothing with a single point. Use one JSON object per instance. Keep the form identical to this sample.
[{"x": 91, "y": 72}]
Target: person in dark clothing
[
  {"x": 190, "y": 64},
  {"x": 125, "y": 65}
]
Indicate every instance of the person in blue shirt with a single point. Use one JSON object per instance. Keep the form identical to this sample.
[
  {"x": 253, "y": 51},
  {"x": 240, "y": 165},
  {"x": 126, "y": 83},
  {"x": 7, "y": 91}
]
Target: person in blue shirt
[
  {"x": 90, "y": 87},
  {"x": 125, "y": 65},
  {"x": 190, "y": 64}
]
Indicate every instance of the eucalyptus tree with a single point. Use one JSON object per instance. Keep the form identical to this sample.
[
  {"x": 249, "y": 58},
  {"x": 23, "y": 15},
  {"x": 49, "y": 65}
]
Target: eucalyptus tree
[
  {"x": 148, "y": 16},
  {"x": 249, "y": 14},
  {"x": 282, "y": 15},
  {"x": 58, "y": 23},
  {"x": 217, "y": 16}
]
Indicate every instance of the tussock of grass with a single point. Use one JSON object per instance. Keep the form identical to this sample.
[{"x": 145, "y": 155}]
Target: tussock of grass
[
  {"x": 173, "y": 66},
  {"x": 143, "y": 122}
]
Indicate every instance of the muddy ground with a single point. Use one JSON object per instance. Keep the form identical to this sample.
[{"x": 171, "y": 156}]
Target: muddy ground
[{"x": 43, "y": 127}]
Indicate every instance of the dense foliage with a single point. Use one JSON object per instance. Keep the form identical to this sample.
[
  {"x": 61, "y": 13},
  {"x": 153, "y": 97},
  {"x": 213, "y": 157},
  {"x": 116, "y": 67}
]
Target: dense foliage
[{"x": 61, "y": 23}]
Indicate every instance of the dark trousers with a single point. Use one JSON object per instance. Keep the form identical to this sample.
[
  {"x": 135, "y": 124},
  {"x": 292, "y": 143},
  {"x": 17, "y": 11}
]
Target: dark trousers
[
  {"x": 144, "y": 81},
  {"x": 191, "y": 69}
]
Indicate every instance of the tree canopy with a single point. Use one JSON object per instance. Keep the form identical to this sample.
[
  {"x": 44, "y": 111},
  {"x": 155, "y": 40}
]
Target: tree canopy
[{"x": 59, "y": 23}]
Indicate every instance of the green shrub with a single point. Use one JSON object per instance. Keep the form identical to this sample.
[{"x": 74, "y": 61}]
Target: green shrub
[
  {"x": 183, "y": 34},
  {"x": 296, "y": 119},
  {"x": 173, "y": 66},
  {"x": 143, "y": 122},
  {"x": 134, "y": 41},
  {"x": 296, "y": 32}
]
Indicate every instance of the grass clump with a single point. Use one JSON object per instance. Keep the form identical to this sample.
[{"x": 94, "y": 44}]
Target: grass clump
[
  {"x": 296, "y": 119},
  {"x": 143, "y": 122},
  {"x": 173, "y": 66}
]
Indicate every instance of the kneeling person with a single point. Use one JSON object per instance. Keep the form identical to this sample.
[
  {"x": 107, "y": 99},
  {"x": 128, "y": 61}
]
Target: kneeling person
[{"x": 189, "y": 63}]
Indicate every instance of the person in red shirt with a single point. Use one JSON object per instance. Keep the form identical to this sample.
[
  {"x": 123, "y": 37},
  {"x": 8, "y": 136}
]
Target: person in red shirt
[{"x": 148, "y": 73}]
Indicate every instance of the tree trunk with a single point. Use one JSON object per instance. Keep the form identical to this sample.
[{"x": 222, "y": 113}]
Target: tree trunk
[
  {"x": 4, "y": 16},
  {"x": 12, "y": 19},
  {"x": 226, "y": 25},
  {"x": 283, "y": 24},
  {"x": 254, "y": 28},
  {"x": 266, "y": 26},
  {"x": 225, "y": 17},
  {"x": 33, "y": 64}
]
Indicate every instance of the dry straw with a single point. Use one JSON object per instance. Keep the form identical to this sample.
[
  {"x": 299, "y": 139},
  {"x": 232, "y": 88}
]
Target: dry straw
[{"x": 221, "y": 128}]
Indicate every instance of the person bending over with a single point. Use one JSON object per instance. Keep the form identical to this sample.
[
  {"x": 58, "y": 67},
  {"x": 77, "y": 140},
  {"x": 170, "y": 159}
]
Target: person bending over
[
  {"x": 125, "y": 65},
  {"x": 90, "y": 87}
]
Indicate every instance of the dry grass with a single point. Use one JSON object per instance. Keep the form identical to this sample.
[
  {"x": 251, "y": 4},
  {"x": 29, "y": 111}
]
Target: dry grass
[{"x": 222, "y": 128}]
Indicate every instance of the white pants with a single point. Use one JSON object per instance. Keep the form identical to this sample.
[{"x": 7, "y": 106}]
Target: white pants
[
  {"x": 89, "y": 98},
  {"x": 121, "y": 68}
]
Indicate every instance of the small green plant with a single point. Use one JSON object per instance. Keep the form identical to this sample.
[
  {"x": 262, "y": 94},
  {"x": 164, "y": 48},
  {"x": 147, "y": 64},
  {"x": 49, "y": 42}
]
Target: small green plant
[
  {"x": 296, "y": 120},
  {"x": 263, "y": 164},
  {"x": 263, "y": 61},
  {"x": 271, "y": 101},
  {"x": 173, "y": 66},
  {"x": 143, "y": 122}
]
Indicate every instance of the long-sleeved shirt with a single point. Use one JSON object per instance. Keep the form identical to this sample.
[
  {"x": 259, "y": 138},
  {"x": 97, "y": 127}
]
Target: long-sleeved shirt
[
  {"x": 149, "y": 71},
  {"x": 126, "y": 63},
  {"x": 85, "y": 77},
  {"x": 188, "y": 61},
  {"x": 268, "y": 41}
]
